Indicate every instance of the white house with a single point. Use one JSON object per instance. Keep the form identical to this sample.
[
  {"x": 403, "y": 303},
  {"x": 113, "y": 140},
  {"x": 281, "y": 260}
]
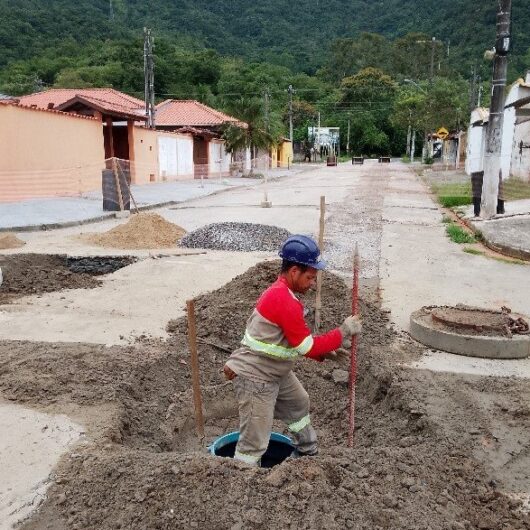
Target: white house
[
  {"x": 515, "y": 150},
  {"x": 476, "y": 140},
  {"x": 518, "y": 110}
]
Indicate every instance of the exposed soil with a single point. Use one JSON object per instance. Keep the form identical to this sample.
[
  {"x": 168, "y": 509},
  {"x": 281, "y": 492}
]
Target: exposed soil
[
  {"x": 142, "y": 231},
  {"x": 415, "y": 464},
  {"x": 10, "y": 240},
  {"x": 26, "y": 274}
]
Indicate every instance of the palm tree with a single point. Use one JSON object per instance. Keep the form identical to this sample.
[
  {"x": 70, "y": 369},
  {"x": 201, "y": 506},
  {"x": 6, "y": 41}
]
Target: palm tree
[{"x": 253, "y": 132}]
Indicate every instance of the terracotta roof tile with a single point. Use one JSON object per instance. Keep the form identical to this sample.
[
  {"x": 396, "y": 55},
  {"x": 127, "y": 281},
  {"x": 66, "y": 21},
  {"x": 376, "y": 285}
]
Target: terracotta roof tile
[
  {"x": 191, "y": 113},
  {"x": 15, "y": 103},
  {"x": 104, "y": 106},
  {"x": 58, "y": 96}
]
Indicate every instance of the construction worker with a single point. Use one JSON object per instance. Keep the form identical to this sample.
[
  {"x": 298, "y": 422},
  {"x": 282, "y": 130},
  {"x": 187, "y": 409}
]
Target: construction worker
[{"x": 276, "y": 335}]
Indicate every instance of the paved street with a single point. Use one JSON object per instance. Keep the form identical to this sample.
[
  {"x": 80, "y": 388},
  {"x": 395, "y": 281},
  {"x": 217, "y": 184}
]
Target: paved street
[{"x": 407, "y": 262}]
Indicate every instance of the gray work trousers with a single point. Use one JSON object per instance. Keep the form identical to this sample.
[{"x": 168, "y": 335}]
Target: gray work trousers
[{"x": 259, "y": 404}]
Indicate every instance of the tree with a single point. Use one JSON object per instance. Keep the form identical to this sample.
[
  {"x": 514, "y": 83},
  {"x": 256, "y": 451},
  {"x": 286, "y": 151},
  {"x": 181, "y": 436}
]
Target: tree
[
  {"x": 257, "y": 134},
  {"x": 366, "y": 99},
  {"x": 349, "y": 56}
]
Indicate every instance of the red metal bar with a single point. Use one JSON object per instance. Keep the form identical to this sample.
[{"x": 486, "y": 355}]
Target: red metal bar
[{"x": 354, "y": 344}]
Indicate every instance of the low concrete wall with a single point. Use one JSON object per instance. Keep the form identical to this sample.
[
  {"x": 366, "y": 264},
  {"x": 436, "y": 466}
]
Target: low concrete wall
[{"x": 48, "y": 153}]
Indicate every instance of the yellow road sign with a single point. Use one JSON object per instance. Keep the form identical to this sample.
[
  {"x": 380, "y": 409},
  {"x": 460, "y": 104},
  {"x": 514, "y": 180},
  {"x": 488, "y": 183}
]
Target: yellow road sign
[{"x": 442, "y": 133}]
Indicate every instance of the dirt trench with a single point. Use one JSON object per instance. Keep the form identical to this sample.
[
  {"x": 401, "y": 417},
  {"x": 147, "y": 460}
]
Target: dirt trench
[
  {"x": 27, "y": 274},
  {"x": 413, "y": 465}
]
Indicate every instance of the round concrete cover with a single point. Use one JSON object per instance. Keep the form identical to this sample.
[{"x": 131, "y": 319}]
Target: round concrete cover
[{"x": 431, "y": 333}]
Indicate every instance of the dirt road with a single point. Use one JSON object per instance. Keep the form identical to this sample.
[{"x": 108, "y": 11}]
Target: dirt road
[{"x": 444, "y": 450}]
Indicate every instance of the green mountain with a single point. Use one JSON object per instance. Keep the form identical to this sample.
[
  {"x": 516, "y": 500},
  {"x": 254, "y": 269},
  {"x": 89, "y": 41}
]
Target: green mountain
[{"x": 293, "y": 34}]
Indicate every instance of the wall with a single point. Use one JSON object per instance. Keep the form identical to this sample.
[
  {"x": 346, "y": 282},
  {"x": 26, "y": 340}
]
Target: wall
[
  {"x": 508, "y": 131},
  {"x": 219, "y": 159},
  {"x": 145, "y": 168},
  {"x": 286, "y": 154},
  {"x": 175, "y": 155},
  {"x": 521, "y": 161},
  {"x": 46, "y": 154},
  {"x": 475, "y": 148}
]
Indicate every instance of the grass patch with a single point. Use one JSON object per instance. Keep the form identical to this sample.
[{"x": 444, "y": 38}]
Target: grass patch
[
  {"x": 453, "y": 194},
  {"x": 515, "y": 189},
  {"x": 446, "y": 219},
  {"x": 458, "y": 235},
  {"x": 474, "y": 251}
]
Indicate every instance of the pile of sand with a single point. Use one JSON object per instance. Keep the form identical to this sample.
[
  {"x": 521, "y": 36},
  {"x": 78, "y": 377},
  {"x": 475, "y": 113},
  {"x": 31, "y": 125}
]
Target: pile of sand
[
  {"x": 143, "y": 230},
  {"x": 10, "y": 240}
]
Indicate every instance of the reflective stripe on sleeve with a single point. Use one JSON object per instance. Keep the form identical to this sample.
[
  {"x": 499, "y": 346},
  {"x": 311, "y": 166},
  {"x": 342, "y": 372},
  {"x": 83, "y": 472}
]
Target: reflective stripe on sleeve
[
  {"x": 270, "y": 349},
  {"x": 248, "y": 459},
  {"x": 297, "y": 426},
  {"x": 305, "y": 346}
]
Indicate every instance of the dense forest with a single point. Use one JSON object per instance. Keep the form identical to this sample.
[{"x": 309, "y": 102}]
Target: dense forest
[{"x": 369, "y": 63}]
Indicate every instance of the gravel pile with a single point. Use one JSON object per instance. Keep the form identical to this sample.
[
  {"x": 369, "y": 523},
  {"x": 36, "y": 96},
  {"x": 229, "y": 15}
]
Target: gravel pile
[
  {"x": 244, "y": 237},
  {"x": 98, "y": 265}
]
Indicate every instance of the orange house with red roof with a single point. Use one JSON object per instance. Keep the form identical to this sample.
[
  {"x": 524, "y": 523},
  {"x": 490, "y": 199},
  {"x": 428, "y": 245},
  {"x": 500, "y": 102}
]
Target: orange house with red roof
[{"x": 56, "y": 142}]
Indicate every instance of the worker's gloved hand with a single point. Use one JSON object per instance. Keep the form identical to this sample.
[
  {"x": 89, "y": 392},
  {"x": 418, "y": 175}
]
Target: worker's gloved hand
[
  {"x": 341, "y": 356},
  {"x": 346, "y": 343},
  {"x": 351, "y": 326}
]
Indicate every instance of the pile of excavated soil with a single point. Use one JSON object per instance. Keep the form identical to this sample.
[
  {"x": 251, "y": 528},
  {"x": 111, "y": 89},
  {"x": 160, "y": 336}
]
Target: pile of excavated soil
[
  {"x": 10, "y": 240},
  {"x": 26, "y": 274},
  {"x": 246, "y": 237},
  {"x": 412, "y": 467},
  {"x": 142, "y": 231}
]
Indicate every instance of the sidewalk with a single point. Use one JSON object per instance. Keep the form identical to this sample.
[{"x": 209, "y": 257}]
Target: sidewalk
[
  {"x": 508, "y": 234},
  {"x": 61, "y": 212}
]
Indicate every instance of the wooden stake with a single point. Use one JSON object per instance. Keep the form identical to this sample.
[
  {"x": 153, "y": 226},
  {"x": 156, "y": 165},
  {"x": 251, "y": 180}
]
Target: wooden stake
[
  {"x": 318, "y": 301},
  {"x": 118, "y": 184},
  {"x": 194, "y": 357},
  {"x": 129, "y": 189},
  {"x": 354, "y": 344}
]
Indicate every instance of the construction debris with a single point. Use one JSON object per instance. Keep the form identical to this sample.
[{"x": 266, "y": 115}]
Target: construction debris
[
  {"x": 245, "y": 237},
  {"x": 10, "y": 240},
  {"x": 142, "y": 231}
]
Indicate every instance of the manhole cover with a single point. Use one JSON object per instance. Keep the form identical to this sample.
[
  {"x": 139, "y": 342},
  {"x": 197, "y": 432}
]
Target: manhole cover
[
  {"x": 481, "y": 320},
  {"x": 472, "y": 331}
]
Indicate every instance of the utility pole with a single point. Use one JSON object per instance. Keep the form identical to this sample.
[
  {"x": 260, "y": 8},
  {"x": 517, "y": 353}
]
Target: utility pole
[
  {"x": 492, "y": 159},
  {"x": 433, "y": 44},
  {"x": 149, "y": 78},
  {"x": 348, "y": 139},
  {"x": 473, "y": 88},
  {"x": 409, "y": 133},
  {"x": 266, "y": 106},
  {"x": 291, "y": 91}
]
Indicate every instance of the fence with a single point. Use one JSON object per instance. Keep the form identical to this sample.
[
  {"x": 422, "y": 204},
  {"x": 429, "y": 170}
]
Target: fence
[{"x": 87, "y": 181}]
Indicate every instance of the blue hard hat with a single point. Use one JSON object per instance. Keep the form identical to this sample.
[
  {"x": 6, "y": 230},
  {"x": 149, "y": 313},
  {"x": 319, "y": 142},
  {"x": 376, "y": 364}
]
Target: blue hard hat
[{"x": 302, "y": 250}]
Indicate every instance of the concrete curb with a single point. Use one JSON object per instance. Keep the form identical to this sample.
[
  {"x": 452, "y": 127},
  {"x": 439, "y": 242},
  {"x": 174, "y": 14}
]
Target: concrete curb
[
  {"x": 505, "y": 250},
  {"x": 422, "y": 329}
]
